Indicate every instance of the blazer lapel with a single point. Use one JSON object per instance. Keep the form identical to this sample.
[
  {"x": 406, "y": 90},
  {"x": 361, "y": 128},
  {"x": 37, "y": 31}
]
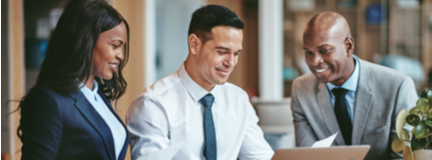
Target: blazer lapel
[
  {"x": 364, "y": 98},
  {"x": 126, "y": 142},
  {"x": 327, "y": 112},
  {"x": 95, "y": 120}
]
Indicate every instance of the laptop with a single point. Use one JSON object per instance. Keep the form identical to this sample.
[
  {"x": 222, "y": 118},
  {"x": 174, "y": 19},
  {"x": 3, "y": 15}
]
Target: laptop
[{"x": 331, "y": 153}]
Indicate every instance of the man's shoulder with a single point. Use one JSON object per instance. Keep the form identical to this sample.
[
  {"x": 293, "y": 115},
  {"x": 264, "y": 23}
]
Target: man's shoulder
[
  {"x": 232, "y": 91},
  {"x": 165, "y": 85},
  {"x": 378, "y": 72},
  {"x": 157, "y": 93},
  {"x": 232, "y": 88}
]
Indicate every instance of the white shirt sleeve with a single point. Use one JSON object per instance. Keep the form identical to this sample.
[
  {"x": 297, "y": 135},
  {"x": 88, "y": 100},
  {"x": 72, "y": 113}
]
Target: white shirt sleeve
[
  {"x": 148, "y": 127},
  {"x": 254, "y": 146}
]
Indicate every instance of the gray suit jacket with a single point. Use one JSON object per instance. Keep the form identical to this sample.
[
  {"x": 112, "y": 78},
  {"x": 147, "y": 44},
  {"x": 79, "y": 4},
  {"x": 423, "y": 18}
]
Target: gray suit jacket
[{"x": 381, "y": 94}]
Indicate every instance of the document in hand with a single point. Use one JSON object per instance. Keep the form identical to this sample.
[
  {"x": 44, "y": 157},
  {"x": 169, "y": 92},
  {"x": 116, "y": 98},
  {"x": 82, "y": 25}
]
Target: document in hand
[{"x": 321, "y": 150}]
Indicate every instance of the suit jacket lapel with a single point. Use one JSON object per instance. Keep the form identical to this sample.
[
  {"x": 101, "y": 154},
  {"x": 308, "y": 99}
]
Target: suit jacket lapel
[
  {"x": 328, "y": 113},
  {"x": 95, "y": 120},
  {"x": 126, "y": 142},
  {"x": 363, "y": 103}
]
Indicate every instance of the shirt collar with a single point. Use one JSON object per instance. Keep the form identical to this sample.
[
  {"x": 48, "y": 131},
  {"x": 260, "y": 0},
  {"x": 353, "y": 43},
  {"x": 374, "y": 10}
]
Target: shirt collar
[
  {"x": 194, "y": 90},
  {"x": 352, "y": 82},
  {"x": 87, "y": 92}
]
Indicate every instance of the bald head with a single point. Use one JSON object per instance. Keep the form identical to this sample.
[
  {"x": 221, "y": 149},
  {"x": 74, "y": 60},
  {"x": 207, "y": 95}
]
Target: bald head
[
  {"x": 329, "y": 24},
  {"x": 329, "y": 46}
]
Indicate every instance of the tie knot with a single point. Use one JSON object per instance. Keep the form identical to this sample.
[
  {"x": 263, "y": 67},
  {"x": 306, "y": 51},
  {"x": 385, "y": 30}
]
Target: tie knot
[
  {"x": 207, "y": 100},
  {"x": 339, "y": 92}
]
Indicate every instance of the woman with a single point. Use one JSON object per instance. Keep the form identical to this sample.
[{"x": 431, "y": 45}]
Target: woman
[{"x": 67, "y": 114}]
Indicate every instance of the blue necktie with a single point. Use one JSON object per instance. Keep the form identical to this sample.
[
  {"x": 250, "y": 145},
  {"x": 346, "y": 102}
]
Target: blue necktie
[
  {"x": 209, "y": 129},
  {"x": 342, "y": 116}
]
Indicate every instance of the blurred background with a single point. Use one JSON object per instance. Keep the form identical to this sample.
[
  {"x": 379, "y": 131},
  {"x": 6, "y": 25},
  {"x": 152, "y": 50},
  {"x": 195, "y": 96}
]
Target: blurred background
[{"x": 393, "y": 33}]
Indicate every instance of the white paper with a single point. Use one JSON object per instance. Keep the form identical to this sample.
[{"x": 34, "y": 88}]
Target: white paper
[
  {"x": 325, "y": 143},
  {"x": 177, "y": 141}
]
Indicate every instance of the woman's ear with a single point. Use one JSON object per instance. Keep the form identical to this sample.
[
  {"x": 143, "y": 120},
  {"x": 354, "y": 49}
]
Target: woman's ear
[
  {"x": 194, "y": 44},
  {"x": 349, "y": 46}
]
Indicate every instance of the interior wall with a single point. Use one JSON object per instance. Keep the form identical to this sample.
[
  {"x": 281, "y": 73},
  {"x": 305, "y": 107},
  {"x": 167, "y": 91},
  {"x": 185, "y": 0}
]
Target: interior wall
[
  {"x": 16, "y": 66},
  {"x": 172, "y": 24},
  {"x": 5, "y": 127},
  {"x": 251, "y": 47}
]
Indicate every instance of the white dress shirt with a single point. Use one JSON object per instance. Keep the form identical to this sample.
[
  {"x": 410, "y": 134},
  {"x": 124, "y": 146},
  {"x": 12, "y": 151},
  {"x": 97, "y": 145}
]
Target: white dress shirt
[
  {"x": 117, "y": 130},
  {"x": 173, "y": 102}
]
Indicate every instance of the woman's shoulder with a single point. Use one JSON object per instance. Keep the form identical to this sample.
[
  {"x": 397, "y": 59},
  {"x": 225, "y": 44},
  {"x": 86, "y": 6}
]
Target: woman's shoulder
[
  {"x": 43, "y": 91},
  {"x": 45, "y": 94}
]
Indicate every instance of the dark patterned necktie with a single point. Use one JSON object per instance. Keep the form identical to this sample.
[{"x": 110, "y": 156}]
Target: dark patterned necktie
[
  {"x": 210, "y": 150},
  {"x": 342, "y": 116}
]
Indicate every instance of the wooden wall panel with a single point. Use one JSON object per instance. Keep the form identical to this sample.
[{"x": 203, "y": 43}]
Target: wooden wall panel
[
  {"x": 16, "y": 55},
  {"x": 250, "y": 51},
  {"x": 5, "y": 89}
]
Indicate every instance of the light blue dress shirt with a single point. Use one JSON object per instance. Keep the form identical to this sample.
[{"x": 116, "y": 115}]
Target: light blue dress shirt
[
  {"x": 117, "y": 130},
  {"x": 350, "y": 85}
]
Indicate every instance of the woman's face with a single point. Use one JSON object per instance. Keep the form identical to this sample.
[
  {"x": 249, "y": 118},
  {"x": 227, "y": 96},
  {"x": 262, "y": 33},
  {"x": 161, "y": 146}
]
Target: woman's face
[{"x": 108, "y": 52}]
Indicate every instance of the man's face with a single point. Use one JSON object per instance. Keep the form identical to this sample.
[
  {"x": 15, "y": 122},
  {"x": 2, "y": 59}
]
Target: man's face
[
  {"x": 327, "y": 57},
  {"x": 219, "y": 55}
]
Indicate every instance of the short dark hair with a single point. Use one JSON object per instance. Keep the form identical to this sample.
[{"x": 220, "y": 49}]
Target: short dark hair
[{"x": 207, "y": 17}]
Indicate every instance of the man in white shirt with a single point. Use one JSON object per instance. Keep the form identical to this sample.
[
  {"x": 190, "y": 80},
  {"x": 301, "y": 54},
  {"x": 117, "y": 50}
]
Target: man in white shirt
[{"x": 194, "y": 113}]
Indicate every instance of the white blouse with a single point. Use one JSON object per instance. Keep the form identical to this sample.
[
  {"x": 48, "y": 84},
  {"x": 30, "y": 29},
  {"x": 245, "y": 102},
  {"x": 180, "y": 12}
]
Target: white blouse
[{"x": 117, "y": 130}]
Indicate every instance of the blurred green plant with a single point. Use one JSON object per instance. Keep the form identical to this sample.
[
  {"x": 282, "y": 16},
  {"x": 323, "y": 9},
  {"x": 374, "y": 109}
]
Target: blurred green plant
[{"x": 420, "y": 117}]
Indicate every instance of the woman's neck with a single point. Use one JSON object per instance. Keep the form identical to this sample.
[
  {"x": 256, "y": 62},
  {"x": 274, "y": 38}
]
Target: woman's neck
[{"x": 90, "y": 82}]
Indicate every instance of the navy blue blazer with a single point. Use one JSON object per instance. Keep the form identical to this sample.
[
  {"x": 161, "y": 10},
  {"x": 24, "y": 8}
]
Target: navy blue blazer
[{"x": 65, "y": 126}]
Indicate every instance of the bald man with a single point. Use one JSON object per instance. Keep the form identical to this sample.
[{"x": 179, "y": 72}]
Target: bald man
[{"x": 345, "y": 94}]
